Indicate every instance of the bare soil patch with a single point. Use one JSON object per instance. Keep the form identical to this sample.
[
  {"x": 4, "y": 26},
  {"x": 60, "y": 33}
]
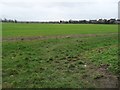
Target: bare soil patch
[{"x": 100, "y": 76}]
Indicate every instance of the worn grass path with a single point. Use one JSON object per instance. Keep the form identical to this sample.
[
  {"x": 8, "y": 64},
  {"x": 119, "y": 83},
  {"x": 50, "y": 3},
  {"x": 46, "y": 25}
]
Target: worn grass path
[{"x": 30, "y": 38}]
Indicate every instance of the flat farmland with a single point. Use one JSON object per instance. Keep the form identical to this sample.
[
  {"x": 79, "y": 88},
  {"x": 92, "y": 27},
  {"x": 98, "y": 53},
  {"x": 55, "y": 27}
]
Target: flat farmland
[
  {"x": 23, "y": 29},
  {"x": 60, "y": 55}
]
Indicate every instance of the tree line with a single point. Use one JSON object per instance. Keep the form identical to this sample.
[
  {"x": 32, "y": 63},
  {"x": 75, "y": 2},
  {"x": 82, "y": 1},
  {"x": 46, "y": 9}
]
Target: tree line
[{"x": 99, "y": 21}]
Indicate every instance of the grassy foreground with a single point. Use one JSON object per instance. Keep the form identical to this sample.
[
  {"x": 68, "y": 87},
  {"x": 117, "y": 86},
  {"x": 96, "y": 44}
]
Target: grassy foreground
[
  {"x": 71, "y": 62},
  {"x": 58, "y": 63}
]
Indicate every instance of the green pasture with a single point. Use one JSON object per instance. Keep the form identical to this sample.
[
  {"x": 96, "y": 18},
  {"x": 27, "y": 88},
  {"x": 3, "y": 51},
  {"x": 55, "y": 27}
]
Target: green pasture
[
  {"x": 70, "y": 62},
  {"x": 32, "y": 29}
]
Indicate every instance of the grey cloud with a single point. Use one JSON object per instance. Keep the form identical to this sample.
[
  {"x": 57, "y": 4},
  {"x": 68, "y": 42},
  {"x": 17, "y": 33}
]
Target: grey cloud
[{"x": 54, "y": 10}]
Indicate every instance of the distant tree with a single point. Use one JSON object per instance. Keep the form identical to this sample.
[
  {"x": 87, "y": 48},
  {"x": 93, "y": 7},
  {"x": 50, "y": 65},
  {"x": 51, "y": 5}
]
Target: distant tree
[
  {"x": 70, "y": 21},
  {"x": 61, "y": 21},
  {"x": 15, "y": 21},
  {"x": 5, "y": 20}
]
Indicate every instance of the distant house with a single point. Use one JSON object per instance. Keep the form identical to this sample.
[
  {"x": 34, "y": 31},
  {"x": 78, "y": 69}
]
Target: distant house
[
  {"x": 112, "y": 21},
  {"x": 93, "y": 21},
  {"x": 101, "y": 21},
  {"x": 117, "y": 21}
]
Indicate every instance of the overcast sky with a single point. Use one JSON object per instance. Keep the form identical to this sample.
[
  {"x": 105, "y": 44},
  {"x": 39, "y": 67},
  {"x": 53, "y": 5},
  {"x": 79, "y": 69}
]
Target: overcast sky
[{"x": 45, "y": 10}]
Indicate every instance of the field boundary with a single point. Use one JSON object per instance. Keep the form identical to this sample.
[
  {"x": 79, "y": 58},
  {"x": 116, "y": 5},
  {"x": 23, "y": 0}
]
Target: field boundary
[{"x": 30, "y": 38}]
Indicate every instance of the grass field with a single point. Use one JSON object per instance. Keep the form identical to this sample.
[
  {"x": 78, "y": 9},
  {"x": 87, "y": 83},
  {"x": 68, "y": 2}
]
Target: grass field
[
  {"x": 13, "y": 30},
  {"x": 68, "y": 62}
]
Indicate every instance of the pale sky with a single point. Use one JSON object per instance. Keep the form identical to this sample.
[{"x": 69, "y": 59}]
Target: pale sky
[{"x": 49, "y": 10}]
